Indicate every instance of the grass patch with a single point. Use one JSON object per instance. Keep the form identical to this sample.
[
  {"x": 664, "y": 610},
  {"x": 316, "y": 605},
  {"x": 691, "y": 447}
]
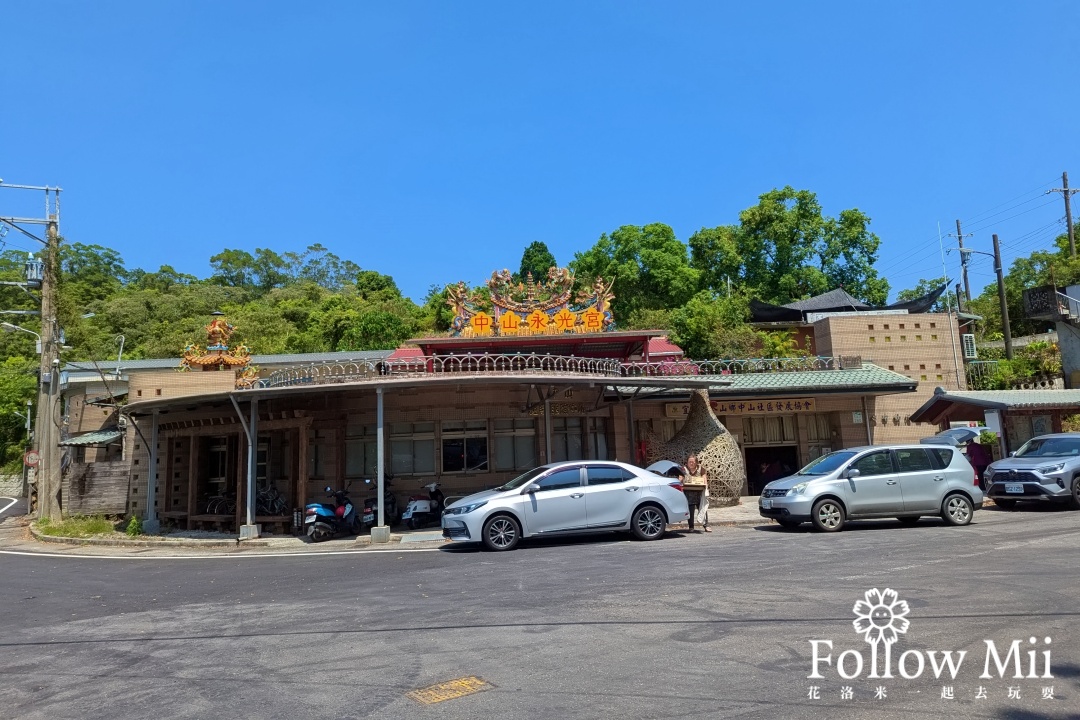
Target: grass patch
[{"x": 78, "y": 526}]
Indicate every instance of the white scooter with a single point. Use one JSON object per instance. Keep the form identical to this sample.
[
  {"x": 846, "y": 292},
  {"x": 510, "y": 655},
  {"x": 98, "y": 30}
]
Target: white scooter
[{"x": 423, "y": 510}]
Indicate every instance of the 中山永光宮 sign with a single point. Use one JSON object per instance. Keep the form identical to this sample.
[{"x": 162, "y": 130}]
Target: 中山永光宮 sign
[{"x": 780, "y": 406}]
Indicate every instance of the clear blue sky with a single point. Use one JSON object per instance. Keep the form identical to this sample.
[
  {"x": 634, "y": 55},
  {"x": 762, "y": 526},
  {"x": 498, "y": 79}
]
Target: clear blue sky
[{"x": 433, "y": 141}]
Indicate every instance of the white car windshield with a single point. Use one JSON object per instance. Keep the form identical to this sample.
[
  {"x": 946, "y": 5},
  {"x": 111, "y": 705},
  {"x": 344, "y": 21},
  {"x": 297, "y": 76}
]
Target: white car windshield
[
  {"x": 1050, "y": 447},
  {"x": 827, "y": 463},
  {"x": 522, "y": 480}
]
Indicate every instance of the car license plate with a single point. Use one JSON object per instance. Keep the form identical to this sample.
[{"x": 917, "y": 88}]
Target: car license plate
[
  {"x": 1016, "y": 488},
  {"x": 766, "y": 503}
]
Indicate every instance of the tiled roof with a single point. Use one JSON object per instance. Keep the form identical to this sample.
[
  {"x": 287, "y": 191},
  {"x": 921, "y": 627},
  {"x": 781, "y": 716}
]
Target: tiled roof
[
  {"x": 867, "y": 378},
  {"x": 838, "y": 298},
  {"x": 662, "y": 346},
  {"x": 260, "y": 360},
  {"x": 1008, "y": 399}
]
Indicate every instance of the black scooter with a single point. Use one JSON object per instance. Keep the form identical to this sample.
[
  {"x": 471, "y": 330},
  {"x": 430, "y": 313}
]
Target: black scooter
[
  {"x": 323, "y": 521},
  {"x": 371, "y": 506}
]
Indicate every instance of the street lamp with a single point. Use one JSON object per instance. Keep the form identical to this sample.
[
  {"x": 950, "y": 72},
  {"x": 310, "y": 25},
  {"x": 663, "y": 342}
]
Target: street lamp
[
  {"x": 9, "y": 327},
  {"x": 1005, "y": 330}
]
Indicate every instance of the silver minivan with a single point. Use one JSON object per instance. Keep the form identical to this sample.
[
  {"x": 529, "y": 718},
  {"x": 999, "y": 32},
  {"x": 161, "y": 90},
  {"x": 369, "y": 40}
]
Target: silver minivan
[{"x": 901, "y": 481}]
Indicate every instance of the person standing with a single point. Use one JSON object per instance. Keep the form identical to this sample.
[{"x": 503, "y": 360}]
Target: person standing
[
  {"x": 696, "y": 487},
  {"x": 979, "y": 458}
]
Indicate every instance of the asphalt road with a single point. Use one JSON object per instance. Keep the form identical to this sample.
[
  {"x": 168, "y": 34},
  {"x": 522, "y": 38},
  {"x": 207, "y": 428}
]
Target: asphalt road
[{"x": 710, "y": 626}]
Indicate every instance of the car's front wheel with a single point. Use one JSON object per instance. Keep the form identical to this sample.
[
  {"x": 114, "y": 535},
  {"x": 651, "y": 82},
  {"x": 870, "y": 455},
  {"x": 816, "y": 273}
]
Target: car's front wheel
[
  {"x": 956, "y": 510},
  {"x": 1074, "y": 496},
  {"x": 501, "y": 532},
  {"x": 828, "y": 515},
  {"x": 648, "y": 523}
]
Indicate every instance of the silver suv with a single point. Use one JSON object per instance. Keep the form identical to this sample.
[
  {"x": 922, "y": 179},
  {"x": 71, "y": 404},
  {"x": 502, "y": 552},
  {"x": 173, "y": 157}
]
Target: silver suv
[
  {"x": 901, "y": 481},
  {"x": 1045, "y": 468}
]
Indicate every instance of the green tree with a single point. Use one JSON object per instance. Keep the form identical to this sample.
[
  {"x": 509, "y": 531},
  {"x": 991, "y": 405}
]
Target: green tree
[
  {"x": 711, "y": 327},
  {"x": 536, "y": 259},
  {"x": 785, "y": 249},
  {"x": 649, "y": 266}
]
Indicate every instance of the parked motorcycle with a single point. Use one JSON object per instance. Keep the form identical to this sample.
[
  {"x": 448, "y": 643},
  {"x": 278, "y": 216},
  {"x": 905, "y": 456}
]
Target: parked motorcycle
[
  {"x": 371, "y": 506},
  {"x": 424, "y": 510},
  {"x": 323, "y": 521}
]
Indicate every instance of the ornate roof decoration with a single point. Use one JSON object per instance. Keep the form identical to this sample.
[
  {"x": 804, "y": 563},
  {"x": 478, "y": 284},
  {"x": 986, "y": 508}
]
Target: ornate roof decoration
[
  {"x": 218, "y": 355},
  {"x": 531, "y": 307}
]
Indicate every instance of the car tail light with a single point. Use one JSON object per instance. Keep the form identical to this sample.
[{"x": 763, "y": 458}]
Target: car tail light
[{"x": 677, "y": 485}]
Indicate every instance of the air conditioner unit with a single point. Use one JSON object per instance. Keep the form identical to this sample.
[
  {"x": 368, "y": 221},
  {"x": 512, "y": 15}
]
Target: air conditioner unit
[{"x": 967, "y": 340}]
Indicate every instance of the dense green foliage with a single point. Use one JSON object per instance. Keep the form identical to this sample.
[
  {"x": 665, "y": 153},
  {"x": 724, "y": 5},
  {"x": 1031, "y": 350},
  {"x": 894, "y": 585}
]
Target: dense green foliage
[{"x": 782, "y": 249}]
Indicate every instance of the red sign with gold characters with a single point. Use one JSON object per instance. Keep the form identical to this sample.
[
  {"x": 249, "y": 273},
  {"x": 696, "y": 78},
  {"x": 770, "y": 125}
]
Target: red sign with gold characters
[{"x": 782, "y": 406}]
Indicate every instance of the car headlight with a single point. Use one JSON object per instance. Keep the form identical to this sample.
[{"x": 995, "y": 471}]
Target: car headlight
[
  {"x": 465, "y": 509},
  {"x": 798, "y": 489},
  {"x": 1050, "y": 469}
]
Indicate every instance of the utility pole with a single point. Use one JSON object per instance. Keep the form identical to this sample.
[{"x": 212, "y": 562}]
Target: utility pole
[
  {"x": 963, "y": 262},
  {"x": 1001, "y": 297},
  {"x": 47, "y": 430},
  {"x": 48, "y": 421},
  {"x": 1067, "y": 193}
]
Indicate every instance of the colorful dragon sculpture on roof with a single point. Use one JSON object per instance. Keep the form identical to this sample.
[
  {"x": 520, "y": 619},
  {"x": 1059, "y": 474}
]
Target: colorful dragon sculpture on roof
[{"x": 591, "y": 309}]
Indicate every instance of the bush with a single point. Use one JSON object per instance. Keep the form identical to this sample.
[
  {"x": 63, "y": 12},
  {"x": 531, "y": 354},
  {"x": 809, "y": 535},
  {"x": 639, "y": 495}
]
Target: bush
[
  {"x": 77, "y": 526},
  {"x": 134, "y": 527}
]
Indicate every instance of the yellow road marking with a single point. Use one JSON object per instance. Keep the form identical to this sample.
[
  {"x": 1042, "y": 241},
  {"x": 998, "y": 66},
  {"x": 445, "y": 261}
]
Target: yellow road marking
[{"x": 449, "y": 690}]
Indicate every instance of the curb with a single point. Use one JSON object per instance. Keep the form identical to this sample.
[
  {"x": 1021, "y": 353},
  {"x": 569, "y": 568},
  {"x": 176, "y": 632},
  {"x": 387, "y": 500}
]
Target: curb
[{"x": 162, "y": 543}]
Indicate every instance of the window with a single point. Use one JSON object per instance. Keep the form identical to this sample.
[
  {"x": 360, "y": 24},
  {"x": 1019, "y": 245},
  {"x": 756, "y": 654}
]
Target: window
[
  {"x": 464, "y": 446},
  {"x": 918, "y": 338},
  {"x": 901, "y": 326},
  {"x": 937, "y": 366},
  {"x": 876, "y": 463},
  {"x": 566, "y": 443},
  {"x": 933, "y": 337},
  {"x": 873, "y": 339},
  {"x": 903, "y": 338},
  {"x": 769, "y": 430},
  {"x": 606, "y": 475},
  {"x": 412, "y": 448},
  {"x": 940, "y": 377},
  {"x": 907, "y": 367},
  {"x": 515, "y": 444},
  {"x": 933, "y": 325},
  {"x": 922, "y": 377},
  {"x": 888, "y": 338},
  {"x": 918, "y": 325},
  {"x": 922, "y": 366},
  {"x": 561, "y": 479},
  {"x": 361, "y": 451},
  {"x": 869, "y": 327},
  {"x": 941, "y": 457},
  {"x": 892, "y": 367},
  {"x": 913, "y": 460},
  {"x": 596, "y": 437},
  {"x": 817, "y": 428},
  {"x": 885, "y": 326}
]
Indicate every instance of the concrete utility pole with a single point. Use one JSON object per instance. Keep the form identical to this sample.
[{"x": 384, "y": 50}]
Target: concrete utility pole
[
  {"x": 1067, "y": 193},
  {"x": 963, "y": 262},
  {"x": 1001, "y": 297}
]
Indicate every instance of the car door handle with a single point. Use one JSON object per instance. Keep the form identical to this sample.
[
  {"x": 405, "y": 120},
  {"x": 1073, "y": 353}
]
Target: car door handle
[
  {"x": 577, "y": 495},
  {"x": 938, "y": 479},
  {"x": 890, "y": 482},
  {"x": 631, "y": 489}
]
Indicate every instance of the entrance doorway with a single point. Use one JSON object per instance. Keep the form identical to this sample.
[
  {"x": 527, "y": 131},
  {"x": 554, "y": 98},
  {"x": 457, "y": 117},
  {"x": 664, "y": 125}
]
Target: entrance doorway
[{"x": 765, "y": 464}]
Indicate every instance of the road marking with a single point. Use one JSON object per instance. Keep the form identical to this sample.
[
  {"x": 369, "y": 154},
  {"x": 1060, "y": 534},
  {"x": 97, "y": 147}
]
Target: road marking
[
  {"x": 449, "y": 690},
  {"x": 13, "y": 501}
]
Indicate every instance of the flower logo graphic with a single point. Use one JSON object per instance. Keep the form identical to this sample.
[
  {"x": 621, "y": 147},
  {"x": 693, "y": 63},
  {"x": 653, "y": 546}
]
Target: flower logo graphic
[{"x": 880, "y": 617}]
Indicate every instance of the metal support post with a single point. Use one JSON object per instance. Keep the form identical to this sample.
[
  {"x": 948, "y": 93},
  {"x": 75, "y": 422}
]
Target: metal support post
[
  {"x": 380, "y": 533},
  {"x": 150, "y": 519}
]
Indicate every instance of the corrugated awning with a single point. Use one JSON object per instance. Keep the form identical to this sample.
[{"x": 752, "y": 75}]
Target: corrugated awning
[{"x": 98, "y": 437}]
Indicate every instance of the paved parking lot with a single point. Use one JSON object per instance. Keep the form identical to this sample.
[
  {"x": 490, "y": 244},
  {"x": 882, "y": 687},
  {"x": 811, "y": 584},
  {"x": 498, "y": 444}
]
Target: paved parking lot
[{"x": 717, "y": 625}]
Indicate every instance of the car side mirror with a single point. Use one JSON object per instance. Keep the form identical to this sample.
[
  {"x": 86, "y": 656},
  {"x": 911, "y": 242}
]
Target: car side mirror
[
  {"x": 532, "y": 488},
  {"x": 1012, "y": 454},
  {"x": 852, "y": 473}
]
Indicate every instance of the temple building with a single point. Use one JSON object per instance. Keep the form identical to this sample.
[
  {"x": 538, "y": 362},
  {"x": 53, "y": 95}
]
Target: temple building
[{"x": 542, "y": 377}]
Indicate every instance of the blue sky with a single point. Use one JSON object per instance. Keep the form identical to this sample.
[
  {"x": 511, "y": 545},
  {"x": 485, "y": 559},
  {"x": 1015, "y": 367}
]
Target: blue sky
[{"x": 433, "y": 141}]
